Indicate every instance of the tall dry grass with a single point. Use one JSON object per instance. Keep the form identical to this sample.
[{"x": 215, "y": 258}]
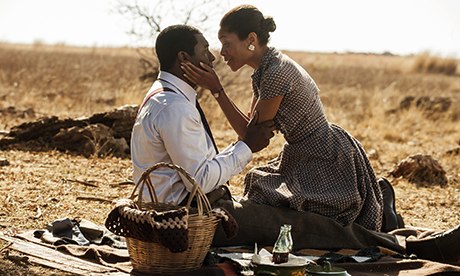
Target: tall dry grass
[
  {"x": 362, "y": 93},
  {"x": 68, "y": 81},
  {"x": 426, "y": 63}
]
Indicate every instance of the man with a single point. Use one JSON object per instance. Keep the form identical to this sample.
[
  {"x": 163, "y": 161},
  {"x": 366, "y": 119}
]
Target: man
[{"x": 169, "y": 128}]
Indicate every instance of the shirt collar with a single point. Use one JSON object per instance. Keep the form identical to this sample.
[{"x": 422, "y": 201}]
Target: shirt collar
[
  {"x": 171, "y": 81},
  {"x": 264, "y": 64}
]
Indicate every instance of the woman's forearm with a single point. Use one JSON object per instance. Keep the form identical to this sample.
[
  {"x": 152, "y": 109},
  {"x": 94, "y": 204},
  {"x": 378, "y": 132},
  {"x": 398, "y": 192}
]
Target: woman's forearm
[{"x": 237, "y": 119}]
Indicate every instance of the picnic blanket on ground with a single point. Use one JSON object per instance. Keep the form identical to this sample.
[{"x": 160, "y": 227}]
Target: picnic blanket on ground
[
  {"x": 101, "y": 258},
  {"x": 365, "y": 262},
  {"x": 89, "y": 260}
]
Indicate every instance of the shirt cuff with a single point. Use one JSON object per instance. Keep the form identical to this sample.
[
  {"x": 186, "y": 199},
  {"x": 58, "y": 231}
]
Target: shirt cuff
[{"x": 243, "y": 150}]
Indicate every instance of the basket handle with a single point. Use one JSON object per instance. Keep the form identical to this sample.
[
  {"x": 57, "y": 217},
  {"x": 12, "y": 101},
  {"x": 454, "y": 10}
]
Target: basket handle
[{"x": 202, "y": 201}]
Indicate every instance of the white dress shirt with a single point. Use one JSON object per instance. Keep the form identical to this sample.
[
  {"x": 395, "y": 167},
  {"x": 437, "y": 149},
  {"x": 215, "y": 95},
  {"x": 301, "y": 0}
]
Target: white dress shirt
[{"x": 168, "y": 128}]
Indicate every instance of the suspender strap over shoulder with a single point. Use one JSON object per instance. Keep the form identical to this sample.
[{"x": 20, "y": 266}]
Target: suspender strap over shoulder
[
  {"x": 153, "y": 93},
  {"x": 197, "y": 104}
]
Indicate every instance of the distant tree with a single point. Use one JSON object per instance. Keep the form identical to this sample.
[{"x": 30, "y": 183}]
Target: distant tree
[{"x": 150, "y": 17}]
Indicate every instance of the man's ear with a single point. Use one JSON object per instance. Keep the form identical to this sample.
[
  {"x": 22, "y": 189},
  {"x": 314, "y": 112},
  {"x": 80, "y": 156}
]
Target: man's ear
[{"x": 183, "y": 56}]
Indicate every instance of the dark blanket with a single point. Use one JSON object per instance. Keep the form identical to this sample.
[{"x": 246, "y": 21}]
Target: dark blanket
[
  {"x": 392, "y": 267},
  {"x": 102, "y": 250},
  {"x": 380, "y": 261}
]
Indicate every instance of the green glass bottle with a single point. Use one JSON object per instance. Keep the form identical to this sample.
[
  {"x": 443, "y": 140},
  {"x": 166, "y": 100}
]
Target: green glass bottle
[{"x": 283, "y": 245}]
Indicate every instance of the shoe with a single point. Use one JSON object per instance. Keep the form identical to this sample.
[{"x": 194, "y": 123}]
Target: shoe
[
  {"x": 391, "y": 219},
  {"x": 443, "y": 247}
]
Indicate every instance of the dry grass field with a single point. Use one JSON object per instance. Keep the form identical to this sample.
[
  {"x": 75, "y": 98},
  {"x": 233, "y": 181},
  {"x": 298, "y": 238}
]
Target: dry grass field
[{"x": 362, "y": 93}]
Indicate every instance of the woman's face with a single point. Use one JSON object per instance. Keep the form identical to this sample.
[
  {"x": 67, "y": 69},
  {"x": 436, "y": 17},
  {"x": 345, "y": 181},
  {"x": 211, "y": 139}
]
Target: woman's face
[{"x": 234, "y": 51}]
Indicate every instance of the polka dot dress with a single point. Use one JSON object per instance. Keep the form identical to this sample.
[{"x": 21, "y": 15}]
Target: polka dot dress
[{"x": 321, "y": 168}]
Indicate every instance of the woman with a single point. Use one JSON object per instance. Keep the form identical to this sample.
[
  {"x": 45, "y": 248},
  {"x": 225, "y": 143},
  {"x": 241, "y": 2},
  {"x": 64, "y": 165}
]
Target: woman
[{"x": 322, "y": 168}]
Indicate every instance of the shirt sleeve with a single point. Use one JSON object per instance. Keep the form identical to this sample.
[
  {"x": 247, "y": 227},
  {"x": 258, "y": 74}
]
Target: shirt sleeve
[
  {"x": 275, "y": 82},
  {"x": 188, "y": 146}
]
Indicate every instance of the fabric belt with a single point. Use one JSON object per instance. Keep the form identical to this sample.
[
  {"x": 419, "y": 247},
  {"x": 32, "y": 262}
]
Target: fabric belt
[{"x": 221, "y": 192}]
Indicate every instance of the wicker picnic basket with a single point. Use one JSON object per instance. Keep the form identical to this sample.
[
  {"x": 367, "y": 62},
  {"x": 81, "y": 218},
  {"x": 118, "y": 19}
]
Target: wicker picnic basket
[{"x": 146, "y": 247}]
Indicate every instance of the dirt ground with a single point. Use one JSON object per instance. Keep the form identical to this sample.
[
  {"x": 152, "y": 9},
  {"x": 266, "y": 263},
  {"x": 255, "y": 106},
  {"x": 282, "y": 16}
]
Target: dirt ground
[{"x": 362, "y": 93}]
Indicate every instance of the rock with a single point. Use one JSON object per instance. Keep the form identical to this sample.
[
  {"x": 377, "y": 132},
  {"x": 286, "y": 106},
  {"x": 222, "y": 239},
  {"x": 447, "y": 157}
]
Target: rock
[
  {"x": 454, "y": 151},
  {"x": 437, "y": 104},
  {"x": 406, "y": 103},
  {"x": 102, "y": 133},
  {"x": 373, "y": 154},
  {"x": 14, "y": 112},
  {"x": 432, "y": 107},
  {"x": 92, "y": 139},
  {"x": 420, "y": 169},
  {"x": 4, "y": 162}
]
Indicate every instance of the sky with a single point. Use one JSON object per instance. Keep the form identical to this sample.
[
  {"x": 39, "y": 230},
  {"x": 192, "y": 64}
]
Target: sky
[{"x": 397, "y": 26}]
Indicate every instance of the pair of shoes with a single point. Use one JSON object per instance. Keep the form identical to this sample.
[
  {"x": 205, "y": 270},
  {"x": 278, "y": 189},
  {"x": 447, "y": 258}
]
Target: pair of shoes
[
  {"x": 443, "y": 247},
  {"x": 391, "y": 219}
]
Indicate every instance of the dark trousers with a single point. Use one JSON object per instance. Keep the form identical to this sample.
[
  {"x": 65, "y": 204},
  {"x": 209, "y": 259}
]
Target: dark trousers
[{"x": 261, "y": 223}]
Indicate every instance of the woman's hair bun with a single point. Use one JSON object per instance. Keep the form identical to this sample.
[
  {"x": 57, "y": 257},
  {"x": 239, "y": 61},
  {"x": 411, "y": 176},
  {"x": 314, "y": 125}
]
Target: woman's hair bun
[{"x": 268, "y": 24}]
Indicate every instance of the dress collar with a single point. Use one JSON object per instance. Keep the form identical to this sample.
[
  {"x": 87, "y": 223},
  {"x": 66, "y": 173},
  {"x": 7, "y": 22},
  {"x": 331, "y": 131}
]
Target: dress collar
[{"x": 265, "y": 62}]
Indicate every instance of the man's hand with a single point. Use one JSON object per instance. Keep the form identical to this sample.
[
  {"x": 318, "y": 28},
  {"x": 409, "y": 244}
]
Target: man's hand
[{"x": 258, "y": 135}]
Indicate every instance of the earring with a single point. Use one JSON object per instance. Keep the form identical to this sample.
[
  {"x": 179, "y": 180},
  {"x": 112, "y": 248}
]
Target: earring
[{"x": 251, "y": 47}]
